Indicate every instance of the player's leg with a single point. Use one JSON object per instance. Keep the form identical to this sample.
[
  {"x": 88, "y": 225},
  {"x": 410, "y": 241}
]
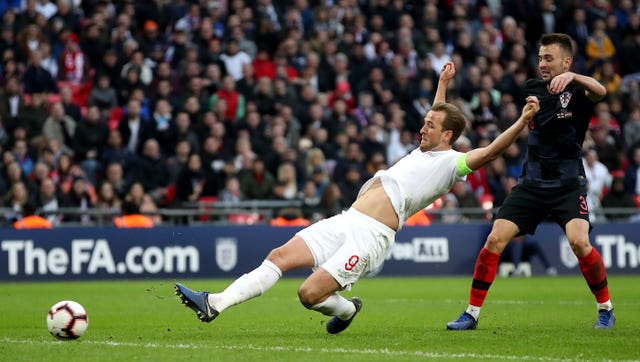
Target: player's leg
[
  {"x": 363, "y": 244},
  {"x": 592, "y": 268},
  {"x": 484, "y": 272},
  {"x": 292, "y": 255},
  {"x": 319, "y": 292}
]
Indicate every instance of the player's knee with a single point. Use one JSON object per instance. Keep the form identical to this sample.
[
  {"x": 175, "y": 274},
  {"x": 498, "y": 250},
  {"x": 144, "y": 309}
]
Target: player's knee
[
  {"x": 580, "y": 246},
  {"x": 495, "y": 244},
  {"x": 308, "y": 297},
  {"x": 275, "y": 256}
]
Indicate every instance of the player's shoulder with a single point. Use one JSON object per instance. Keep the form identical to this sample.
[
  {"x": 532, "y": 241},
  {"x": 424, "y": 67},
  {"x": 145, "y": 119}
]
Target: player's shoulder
[{"x": 536, "y": 85}]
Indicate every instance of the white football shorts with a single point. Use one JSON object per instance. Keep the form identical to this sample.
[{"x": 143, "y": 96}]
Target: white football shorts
[{"x": 349, "y": 246}]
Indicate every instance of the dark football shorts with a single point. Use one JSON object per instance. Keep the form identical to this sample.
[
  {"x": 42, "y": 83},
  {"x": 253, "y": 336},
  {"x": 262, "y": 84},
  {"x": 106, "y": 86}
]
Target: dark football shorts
[{"x": 527, "y": 206}]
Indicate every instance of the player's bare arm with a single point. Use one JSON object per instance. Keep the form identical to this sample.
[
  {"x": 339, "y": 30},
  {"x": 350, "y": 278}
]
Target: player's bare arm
[
  {"x": 481, "y": 156},
  {"x": 594, "y": 90},
  {"x": 447, "y": 73}
]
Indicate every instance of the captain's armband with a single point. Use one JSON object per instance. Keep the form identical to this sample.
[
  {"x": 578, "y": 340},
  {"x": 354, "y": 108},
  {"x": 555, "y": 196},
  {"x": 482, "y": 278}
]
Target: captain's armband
[{"x": 461, "y": 165}]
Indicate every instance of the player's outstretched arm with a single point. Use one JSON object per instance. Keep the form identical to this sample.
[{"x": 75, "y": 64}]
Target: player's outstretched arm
[
  {"x": 480, "y": 156},
  {"x": 594, "y": 90},
  {"x": 446, "y": 74}
]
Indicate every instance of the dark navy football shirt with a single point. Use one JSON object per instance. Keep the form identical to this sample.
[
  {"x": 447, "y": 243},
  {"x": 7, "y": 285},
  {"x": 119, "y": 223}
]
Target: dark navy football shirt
[{"x": 556, "y": 133}]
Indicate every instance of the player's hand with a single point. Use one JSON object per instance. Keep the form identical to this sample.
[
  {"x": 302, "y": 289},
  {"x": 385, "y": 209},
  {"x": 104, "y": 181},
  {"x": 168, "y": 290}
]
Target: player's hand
[
  {"x": 448, "y": 71},
  {"x": 531, "y": 108},
  {"x": 560, "y": 82}
]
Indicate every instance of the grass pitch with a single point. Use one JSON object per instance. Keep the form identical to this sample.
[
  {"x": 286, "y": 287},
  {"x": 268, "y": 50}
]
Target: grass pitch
[{"x": 403, "y": 319}]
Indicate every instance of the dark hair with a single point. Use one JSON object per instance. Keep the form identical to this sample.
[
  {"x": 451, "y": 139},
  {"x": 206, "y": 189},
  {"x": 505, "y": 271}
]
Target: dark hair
[
  {"x": 453, "y": 120},
  {"x": 563, "y": 40}
]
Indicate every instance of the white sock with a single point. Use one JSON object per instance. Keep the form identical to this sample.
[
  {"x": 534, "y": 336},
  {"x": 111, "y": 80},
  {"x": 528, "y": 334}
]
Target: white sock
[
  {"x": 474, "y": 311},
  {"x": 336, "y": 305},
  {"x": 606, "y": 305},
  {"x": 248, "y": 286}
]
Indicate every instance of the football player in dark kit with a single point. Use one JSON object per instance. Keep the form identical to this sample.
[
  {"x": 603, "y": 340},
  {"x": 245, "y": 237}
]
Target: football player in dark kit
[{"x": 552, "y": 183}]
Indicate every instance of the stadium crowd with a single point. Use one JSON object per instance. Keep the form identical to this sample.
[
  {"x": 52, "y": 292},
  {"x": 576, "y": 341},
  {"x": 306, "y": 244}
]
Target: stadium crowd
[{"x": 162, "y": 103}]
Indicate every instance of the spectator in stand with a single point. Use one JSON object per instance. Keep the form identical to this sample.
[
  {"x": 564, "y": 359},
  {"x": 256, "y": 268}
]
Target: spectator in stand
[
  {"x": 60, "y": 127},
  {"x": 114, "y": 174},
  {"x": 343, "y": 92},
  {"x": 15, "y": 200},
  {"x": 606, "y": 74},
  {"x": 331, "y": 200},
  {"x": 177, "y": 160},
  {"x": 191, "y": 181},
  {"x": 47, "y": 60},
  {"x": 231, "y": 192},
  {"x": 50, "y": 199},
  {"x": 256, "y": 182},
  {"x": 618, "y": 197},
  {"x": 81, "y": 196},
  {"x": 263, "y": 66},
  {"x": 12, "y": 103},
  {"x": 597, "y": 174},
  {"x": 605, "y": 147},
  {"x": 631, "y": 178},
  {"x": 234, "y": 59},
  {"x": 134, "y": 129},
  {"x": 632, "y": 128},
  {"x": 103, "y": 96},
  {"x": 235, "y": 102},
  {"x": 36, "y": 79},
  {"x": 149, "y": 208},
  {"x": 150, "y": 169},
  {"x": 73, "y": 62},
  {"x": 107, "y": 198},
  {"x": 20, "y": 150},
  {"x": 34, "y": 114},
  {"x": 164, "y": 127},
  {"x": 350, "y": 186},
  {"x": 599, "y": 46},
  {"x": 287, "y": 175},
  {"x": 89, "y": 139},
  {"x": 310, "y": 202},
  {"x": 115, "y": 151},
  {"x": 69, "y": 103}
]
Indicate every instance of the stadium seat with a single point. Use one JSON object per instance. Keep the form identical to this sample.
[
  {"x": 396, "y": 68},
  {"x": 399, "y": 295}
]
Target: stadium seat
[
  {"x": 114, "y": 117},
  {"x": 204, "y": 205}
]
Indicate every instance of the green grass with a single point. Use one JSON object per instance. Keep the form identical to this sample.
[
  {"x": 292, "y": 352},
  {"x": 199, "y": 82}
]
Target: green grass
[{"x": 403, "y": 319}]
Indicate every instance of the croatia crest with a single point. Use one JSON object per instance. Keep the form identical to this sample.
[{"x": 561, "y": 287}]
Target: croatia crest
[
  {"x": 564, "y": 99},
  {"x": 226, "y": 253}
]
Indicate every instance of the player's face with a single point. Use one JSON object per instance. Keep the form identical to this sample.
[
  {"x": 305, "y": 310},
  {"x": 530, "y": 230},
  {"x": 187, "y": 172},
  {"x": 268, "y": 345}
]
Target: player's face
[
  {"x": 432, "y": 135},
  {"x": 552, "y": 61}
]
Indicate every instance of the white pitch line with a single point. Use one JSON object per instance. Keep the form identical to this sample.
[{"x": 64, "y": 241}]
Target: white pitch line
[{"x": 385, "y": 351}]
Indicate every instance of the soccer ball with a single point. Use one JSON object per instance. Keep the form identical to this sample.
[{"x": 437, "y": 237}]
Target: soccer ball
[{"x": 67, "y": 320}]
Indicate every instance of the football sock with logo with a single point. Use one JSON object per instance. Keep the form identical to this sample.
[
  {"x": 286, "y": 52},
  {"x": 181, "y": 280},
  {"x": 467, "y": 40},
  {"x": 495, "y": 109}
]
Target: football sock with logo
[
  {"x": 594, "y": 273},
  {"x": 248, "y": 286},
  {"x": 483, "y": 275},
  {"x": 335, "y": 305}
]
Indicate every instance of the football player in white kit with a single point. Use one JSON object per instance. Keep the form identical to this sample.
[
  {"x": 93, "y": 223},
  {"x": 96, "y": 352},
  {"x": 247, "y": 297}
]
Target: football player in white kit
[{"x": 346, "y": 247}]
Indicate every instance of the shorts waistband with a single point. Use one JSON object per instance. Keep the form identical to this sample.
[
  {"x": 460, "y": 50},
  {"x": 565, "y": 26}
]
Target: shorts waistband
[
  {"x": 356, "y": 213},
  {"x": 574, "y": 182}
]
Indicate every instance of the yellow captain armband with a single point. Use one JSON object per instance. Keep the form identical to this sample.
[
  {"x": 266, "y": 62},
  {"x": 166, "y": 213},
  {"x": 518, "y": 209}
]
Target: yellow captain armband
[{"x": 461, "y": 165}]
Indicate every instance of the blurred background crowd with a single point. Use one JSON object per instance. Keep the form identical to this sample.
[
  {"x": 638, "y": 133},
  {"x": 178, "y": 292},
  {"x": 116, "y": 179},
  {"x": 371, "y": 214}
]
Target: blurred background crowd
[{"x": 163, "y": 104}]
